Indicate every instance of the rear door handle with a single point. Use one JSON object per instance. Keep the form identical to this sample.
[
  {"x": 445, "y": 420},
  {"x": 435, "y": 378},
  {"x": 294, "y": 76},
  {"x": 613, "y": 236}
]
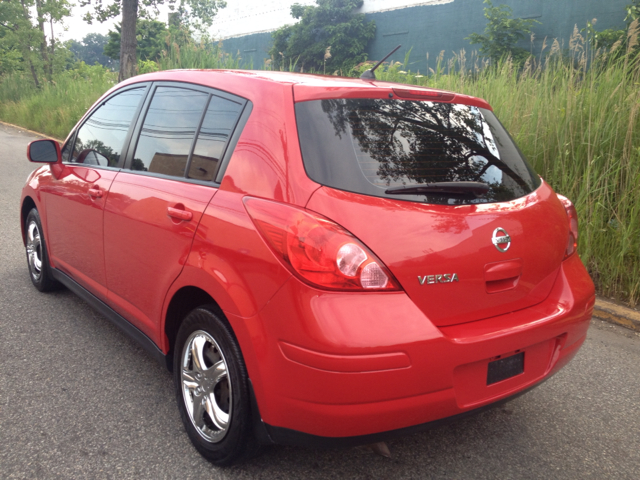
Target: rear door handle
[
  {"x": 179, "y": 213},
  {"x": 95, "y": 192}
]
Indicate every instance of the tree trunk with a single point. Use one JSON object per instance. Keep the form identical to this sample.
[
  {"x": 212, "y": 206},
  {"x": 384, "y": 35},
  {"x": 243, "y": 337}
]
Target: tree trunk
[
  {"x": 53, "y": 51},
  {"x": 43, "y": 41},
  {"x": 26, "y": 50},
  {"x": 34, "y": 74},
  {"x": 128, "y": 42}
]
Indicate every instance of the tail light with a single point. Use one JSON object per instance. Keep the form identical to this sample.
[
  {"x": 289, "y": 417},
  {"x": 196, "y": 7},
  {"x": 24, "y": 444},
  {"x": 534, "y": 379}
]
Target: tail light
[
  {"x": 317, "y": 250},
  {"x": 572, "y": 214}
]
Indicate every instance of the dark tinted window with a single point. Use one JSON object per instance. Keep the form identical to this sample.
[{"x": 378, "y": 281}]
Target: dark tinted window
[
  {"x": 168, "y": 131},
  {"x": 66, "y": 151},
  {"x": 369, "y": 145},
  {"x": 101, "y": 137},
  {"x": 218, "y": 124}
]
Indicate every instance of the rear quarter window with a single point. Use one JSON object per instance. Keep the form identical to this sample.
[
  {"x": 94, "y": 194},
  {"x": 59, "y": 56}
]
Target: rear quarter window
[{"x": 213, "y": 138}]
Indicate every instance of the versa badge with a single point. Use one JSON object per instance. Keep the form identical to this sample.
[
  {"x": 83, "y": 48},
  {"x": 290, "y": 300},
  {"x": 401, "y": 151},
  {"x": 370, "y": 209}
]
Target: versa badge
[{"x": 443, "y": 278}]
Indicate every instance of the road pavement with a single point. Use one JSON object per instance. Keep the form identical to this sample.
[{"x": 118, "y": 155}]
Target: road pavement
[{"x": 78, "y": 399}]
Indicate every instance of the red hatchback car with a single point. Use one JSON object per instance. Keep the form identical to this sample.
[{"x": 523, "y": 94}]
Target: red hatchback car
[{"x": 319, "y": 260}]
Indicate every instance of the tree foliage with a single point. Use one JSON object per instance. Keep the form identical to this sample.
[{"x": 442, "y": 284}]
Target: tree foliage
[
  {"x": 24, "y": 27},
  {"x": 90, "y": 50},
  {"x": 612, "y": 40},
  {"x": 328, "y": 37},
  {"x": 502, "y": 34},
  {"x": 150, "y": 36},
  {"x": 196, "y": 14},
  {"x": 633, "y": 12}
]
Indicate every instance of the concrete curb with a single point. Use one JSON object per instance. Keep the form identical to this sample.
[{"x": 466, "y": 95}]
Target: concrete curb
[
  {"x": 618, "y": 314},
  {"x": 22, "y": 129}
]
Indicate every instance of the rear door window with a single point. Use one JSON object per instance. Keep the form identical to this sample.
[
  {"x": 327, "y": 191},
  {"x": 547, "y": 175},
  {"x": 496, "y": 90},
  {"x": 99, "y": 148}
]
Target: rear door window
[
  {"x": 168, "y": 131},
  {"x": 186, "y": 132},
  {"x": 370, "y": 145}
]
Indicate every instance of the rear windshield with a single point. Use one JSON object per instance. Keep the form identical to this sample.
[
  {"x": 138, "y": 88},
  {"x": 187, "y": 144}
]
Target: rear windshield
[{"x": 370, "y": 145}]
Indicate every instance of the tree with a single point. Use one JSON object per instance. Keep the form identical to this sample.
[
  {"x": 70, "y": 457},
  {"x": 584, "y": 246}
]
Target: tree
[
  {"x": 91, "y": 50},
  {"x": 198, "y": 14},
  {"x": 24, "y": 34},
  {"x": 502, "y": 33},
  {"x": 328, "y": 36},
  {"x": 10, "y": 57},
  {"x": 150, "y": 37}
]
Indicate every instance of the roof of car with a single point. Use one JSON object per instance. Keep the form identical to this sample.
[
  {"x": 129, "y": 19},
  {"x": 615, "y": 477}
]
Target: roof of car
[{"x": 303, "y": 81}]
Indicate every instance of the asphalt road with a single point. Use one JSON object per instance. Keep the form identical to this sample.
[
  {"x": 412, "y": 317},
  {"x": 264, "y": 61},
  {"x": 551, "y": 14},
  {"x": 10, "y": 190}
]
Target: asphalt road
[{"x": 78, "y": 399}]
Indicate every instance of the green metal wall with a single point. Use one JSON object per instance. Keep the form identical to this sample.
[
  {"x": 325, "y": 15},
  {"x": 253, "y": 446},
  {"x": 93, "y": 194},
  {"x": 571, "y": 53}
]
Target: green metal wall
[
  {"x": 433, "y": 28},
  {"x": 253, "y": 49}
]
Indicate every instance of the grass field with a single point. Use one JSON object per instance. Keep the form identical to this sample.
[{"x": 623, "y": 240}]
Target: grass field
[
  {"x": 57, "y": 106},
  {"x": 574, "y": 115}
]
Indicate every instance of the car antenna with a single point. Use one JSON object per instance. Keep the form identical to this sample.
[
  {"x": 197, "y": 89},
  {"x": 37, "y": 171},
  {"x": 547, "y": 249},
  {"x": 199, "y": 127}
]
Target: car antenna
[{"x": 369, "y": 74}]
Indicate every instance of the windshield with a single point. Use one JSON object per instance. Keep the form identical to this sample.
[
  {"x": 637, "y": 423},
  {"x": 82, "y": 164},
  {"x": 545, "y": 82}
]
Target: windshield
[{"x": 370, "y": 145}]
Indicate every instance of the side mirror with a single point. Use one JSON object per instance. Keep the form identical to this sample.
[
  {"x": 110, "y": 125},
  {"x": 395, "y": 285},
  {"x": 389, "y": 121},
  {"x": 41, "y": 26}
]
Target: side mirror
[{"x": 44, "y": 151}]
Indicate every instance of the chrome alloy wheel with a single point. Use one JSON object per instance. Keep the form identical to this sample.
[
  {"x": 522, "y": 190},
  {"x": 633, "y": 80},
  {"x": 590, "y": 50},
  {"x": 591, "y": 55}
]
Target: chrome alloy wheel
[
  {"x": 34, "y": 250},
  {"x": 206, "y": 387}
]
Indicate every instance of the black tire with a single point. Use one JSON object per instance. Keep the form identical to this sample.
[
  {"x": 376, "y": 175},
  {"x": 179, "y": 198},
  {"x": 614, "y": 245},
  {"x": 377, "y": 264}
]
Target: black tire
[
  {"x": 37, "y": 255},
  {"x": 224, "y": 436}
]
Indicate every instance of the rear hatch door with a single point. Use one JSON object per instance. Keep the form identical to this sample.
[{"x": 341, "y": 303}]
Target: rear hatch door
[{"x": 459, "y": 256}]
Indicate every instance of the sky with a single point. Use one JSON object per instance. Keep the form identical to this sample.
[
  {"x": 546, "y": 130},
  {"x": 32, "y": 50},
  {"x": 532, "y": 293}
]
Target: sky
[{"x": 240, "y": 17}]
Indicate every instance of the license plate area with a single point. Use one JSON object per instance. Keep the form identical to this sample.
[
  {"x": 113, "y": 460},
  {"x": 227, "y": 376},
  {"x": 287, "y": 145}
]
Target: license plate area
[
  {"x": 489, "y": 379},
  {"x": 505, "y": 368}
]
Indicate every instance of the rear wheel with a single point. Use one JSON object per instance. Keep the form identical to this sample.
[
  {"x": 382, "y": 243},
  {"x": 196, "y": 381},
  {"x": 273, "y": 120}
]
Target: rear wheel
[
  {"x": 212, "y": 388},
  {"x": 37, "y": 256}
]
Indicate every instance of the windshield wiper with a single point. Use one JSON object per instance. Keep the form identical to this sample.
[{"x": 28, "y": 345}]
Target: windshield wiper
[{"x": 445, "y": 189}]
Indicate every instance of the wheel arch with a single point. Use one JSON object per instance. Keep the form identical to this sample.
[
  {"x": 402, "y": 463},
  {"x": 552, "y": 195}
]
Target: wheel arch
[
  {"x": 183, "y": 301},
  {"x": 27, "y": 205}
]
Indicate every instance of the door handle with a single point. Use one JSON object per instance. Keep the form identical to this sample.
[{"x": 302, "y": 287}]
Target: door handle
[
  {"x": 179, "y": 213},
  {"x": 95, "y": 192}
]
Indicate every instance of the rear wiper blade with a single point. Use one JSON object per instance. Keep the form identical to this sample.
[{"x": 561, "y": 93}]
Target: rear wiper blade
[{"x": 451, "y": 189}]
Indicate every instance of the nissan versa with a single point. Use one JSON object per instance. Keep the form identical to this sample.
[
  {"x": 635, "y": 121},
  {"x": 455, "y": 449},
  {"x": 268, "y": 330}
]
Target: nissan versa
[{"x": 318, "y": 260}]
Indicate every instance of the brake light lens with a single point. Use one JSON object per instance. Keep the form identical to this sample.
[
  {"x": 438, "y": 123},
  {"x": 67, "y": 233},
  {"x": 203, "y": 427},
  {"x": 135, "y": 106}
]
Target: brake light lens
[
  {"x": 423, "y": 94},
  {"x": 318, "y": 251},
  {"x": 572, "y": 214}
]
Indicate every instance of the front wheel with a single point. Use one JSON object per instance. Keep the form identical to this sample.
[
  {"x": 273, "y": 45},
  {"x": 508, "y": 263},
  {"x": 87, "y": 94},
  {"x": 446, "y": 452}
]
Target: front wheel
[{"x": 212, "y": 388}]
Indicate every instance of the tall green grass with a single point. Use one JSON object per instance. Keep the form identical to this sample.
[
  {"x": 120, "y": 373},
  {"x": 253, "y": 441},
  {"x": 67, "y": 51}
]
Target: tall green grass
[
  {"x": 202, "y": 55},
  {"x": 57, "y": 106},
  {"x": 574, "y": 114}
]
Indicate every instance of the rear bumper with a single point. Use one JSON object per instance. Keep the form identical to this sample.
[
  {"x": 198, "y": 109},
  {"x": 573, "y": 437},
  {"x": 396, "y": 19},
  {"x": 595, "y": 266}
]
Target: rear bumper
[
  {"x": 338, "y": 367},
  {"x": 285, "y": 436}
]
